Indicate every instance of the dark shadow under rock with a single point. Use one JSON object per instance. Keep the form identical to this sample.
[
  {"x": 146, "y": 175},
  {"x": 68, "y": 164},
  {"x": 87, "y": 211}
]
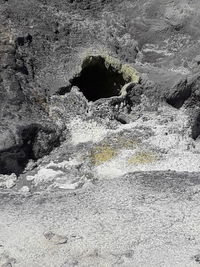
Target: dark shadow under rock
[
  {"x": 179, "y": 94},
  {"x": 36, "y": 142},
  {"x": 63, "y": 90},
  {"x": 196, "y": 127}
]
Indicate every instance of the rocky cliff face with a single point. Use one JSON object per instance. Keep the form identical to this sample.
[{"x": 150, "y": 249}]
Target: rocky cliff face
[{"x": 99, "y": 130}]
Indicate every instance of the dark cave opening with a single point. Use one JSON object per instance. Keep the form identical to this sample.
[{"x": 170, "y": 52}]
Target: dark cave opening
[
  {"x": 36, "y": 142},
  {"x": 98, "y": 79}
]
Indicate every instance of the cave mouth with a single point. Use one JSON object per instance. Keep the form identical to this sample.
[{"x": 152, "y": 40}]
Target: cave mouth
[{"x": 98, "y": 79}]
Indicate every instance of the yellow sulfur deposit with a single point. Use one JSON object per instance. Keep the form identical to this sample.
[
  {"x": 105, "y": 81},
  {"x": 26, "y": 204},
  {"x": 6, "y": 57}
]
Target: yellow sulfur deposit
[
  {"x": 142, "y": 158},
  {"x": 102, "y": 154},
  {"x": 129, "y": 73}
]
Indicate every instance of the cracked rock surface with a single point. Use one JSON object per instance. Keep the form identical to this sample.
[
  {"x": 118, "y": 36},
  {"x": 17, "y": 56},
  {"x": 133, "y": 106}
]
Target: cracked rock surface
[{"x": 99, "y": 133}]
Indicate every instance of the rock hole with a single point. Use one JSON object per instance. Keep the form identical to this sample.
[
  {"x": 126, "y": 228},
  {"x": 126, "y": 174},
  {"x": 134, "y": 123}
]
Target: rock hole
[
  {"x": 21, "y": 40},
  {"x": 98, "y": 79},
  {"x": 35, "y": 143},
  {"x": 23, "y": 69}
]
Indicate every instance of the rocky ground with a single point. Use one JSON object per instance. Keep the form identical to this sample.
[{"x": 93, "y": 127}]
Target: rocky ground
[{"x": 99, "y": 133}]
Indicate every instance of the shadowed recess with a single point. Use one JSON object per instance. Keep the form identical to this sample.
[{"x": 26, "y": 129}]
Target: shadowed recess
[
  {"x": 182, "y": 92},
  {"x": 98, "y": 79},
  {"x": 36, "y": 142},
  {"x": 196, "y": 127}
]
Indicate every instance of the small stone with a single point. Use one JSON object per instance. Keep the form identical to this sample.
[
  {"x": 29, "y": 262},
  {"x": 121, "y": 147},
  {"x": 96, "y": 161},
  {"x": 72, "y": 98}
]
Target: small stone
[
  {"x": 25, "y": 190},
  {"x": 30, "y": 178},
  {"x": 55, "y": 239},
  {"x": 70, "y": 186}
]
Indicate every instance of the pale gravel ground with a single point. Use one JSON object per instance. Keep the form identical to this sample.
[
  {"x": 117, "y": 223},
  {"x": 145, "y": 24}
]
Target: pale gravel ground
[{"x": 146, "y": 219}]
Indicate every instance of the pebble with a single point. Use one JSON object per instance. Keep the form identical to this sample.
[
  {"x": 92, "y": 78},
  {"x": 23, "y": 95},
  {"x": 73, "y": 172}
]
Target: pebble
[
  {"x": 25, "y": 190},
  {"x": 55, "y": 239}
]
